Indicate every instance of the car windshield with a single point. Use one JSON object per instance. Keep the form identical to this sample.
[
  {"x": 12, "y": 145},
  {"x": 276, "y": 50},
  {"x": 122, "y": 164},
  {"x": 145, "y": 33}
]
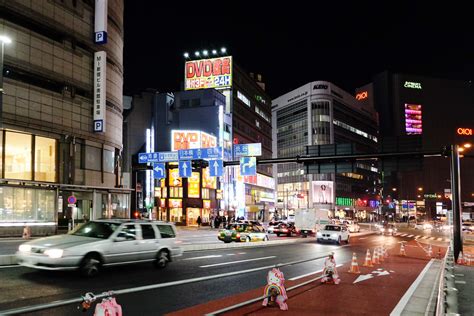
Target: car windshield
[
  {"x": 101, "y": 230},
  {"x": 333, "y": 228}
]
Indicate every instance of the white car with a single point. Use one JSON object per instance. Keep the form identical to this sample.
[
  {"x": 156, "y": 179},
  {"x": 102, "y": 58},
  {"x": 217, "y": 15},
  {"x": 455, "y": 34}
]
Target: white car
[
  {"x": 352, "y": 226},
  {"x": 423, "y": 226},
  {"x": 100, "y": 243},
  {"x": 336, "y": 233}
]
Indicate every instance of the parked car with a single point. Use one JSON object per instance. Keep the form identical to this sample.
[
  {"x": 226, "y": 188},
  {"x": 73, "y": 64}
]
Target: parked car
[
  {"x": 333, "y": 233},
  {"x": 285, "y": 229},
  {"x": 100, "y": 243},
  {"x": 387, "y": 229},
  {"x": 242, "y": 232}
]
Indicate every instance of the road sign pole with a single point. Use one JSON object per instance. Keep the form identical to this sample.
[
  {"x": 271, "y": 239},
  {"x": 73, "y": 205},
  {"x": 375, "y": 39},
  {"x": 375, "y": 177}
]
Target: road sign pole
[{"x": 456, "y": 200}]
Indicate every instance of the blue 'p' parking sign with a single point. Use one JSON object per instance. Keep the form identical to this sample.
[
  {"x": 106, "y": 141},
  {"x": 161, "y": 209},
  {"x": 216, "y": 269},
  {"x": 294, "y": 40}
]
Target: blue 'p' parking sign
[{"x": 100, "y": 37}]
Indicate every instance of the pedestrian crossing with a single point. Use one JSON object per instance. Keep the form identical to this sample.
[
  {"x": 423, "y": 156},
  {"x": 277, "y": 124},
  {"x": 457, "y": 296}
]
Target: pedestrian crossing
[{"x": 421, "y": 237}]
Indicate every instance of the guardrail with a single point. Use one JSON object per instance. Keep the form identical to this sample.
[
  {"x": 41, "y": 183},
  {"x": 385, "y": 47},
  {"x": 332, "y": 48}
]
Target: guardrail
[
  {"x": 447, "y": 301},
  {"x": 60, "y": 303}
]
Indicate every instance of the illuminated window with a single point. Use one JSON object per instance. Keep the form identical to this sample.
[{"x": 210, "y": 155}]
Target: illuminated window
[
  {"x": 243, "y": 98},
  {"x": 45, "y": 159},
  {"x": 18, "y": 156}
]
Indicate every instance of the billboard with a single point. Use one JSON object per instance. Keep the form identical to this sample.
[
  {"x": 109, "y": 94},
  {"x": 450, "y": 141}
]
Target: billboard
[
  {"x": 323, "y": 192},
  {"x": 208, "y": 73},
  {"x": 184, "y": 139},
  {"x": 194, "y": 187},
  {"x": 413, "y": 121}
]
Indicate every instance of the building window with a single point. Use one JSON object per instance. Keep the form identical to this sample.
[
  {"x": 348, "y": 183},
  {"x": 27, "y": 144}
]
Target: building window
[
  {"x": 243, "y": 98},
  {"x": 108, "y": 161},
  {"x": 257, "y": 123},
  {"x": 45, "y": 159},
  {"x": 93, "y": 158},
  {"x": 18, "y": 156},
  {"x": 29, "y": 205}
]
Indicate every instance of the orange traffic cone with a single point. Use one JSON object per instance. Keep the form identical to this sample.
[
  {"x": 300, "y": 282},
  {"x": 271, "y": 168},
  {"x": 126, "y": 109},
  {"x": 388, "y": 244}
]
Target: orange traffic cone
[
  {"x": 368, "y": 261},
  {"x": 375, "y": 258},
  {"x": 381, "y": 258},
  {"x": 402, "y": 250},
  {"x": 354, "y": 266},
  {"x": 461, "y": 259}
]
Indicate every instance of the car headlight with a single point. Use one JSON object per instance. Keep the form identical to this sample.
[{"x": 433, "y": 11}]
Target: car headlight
[
  {"x": 319, "y": 234},
  {"x": 333, "y": 235},
  {"x": 24, "y": 248},
  {"x": 54, "y": 253},
  {"x": 390, "y": 230}
]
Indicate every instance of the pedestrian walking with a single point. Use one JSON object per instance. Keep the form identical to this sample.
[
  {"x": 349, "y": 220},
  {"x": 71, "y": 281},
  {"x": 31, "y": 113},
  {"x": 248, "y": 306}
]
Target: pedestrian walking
[{"x": 199, "y": 221}]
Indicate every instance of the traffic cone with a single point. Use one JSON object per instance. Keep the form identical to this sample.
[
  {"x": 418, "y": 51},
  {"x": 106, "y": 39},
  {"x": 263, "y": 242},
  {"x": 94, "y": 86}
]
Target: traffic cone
[
  {"x": 430, "y": 252},
  {"x": 368, "y": 261},
  {"x": 402, "y": 250},
  {"x": 354, "y": 266},
  {"x": 460, "y": 258},
  {"x": 375, "y": 258},
  {"x": 381, "y": 258}
]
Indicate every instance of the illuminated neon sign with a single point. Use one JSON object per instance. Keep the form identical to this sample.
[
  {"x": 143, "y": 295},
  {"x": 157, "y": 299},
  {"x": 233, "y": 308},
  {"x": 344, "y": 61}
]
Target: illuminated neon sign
[
  {"x": 412, "y": 85},
  {"x": 464, "y": 131},
  {"x": 413, "y": 122},
  {"x": 363, "y": 95},
  {"x": 208, "y": 73}
]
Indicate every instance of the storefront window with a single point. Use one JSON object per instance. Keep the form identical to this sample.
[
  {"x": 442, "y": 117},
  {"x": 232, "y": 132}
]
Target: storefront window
[
  {"x": 93, "y": 158},
  {"x": 45, "y": 159},
  {"x": 120, "y": 205},
  {"x": 32, "y": 205},
  {"x": 18, "y": 156},
  {"x": 176, "y": 215}
]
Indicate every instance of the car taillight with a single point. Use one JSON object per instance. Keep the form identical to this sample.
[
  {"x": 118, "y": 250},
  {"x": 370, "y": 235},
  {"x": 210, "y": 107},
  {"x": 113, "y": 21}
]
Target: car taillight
[
  {"x": 285, "y": 230},
  {"x": 238, "y": 236}
]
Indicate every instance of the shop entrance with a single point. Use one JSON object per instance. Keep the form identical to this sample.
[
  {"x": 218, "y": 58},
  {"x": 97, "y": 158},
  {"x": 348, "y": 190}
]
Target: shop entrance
[{"x": 192, "y": 215}]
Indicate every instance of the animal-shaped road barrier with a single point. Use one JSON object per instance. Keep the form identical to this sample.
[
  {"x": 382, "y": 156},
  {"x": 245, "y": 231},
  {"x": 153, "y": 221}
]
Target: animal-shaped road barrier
[{"x": 275, "y": 292}]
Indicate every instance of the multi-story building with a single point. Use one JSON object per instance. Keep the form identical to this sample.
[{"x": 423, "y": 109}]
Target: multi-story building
[
  {"x": 435, "y": 113},
  {"x": 61, "y": 121},
  {"x": 249, "y": 107},
  {"x": 320, "y": 113}
]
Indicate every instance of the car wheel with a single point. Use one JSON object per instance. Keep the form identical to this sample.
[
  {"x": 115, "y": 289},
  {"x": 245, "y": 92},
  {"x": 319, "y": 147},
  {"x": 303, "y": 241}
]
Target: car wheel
[
  {"x": 248, "y": 239},
  {"x": 265, "y": 238},
  {"x": 289, "y": 234},
  {"x": 339, "y": 240},
  {"x": 90, "y": 265},
  {"x": 162, "y": 259}
]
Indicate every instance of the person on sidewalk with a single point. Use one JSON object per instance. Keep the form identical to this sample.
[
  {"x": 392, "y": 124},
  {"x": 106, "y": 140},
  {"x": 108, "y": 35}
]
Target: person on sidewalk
[
  {"x": 330, "y": 274},
  {"x": 199, "y": 221}
]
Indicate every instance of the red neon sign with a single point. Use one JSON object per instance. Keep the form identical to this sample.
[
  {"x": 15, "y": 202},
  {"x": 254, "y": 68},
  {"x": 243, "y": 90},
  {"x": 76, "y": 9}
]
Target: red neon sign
[
  {"x": 363, "y": 95},
  {"x": 464, "y": 131}
]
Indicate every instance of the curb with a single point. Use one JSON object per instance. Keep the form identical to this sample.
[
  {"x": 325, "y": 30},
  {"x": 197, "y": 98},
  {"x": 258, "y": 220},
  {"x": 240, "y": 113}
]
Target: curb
[{"x": 7, "y": 260}]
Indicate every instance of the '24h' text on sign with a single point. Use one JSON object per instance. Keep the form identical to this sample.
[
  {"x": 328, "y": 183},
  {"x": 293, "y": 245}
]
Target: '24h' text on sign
[{"x": 208, "y": 73}]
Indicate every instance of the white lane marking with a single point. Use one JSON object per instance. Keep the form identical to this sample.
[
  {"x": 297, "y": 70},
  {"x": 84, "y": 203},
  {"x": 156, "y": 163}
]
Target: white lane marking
[
  {"x": 406, "y": 297},
  {"x": 234, "y": 262},
  {"x": 410, "y": 236},
  {"x": 314, "y": 272},
  {"x": 231, "y": 254},
  {"x": 11, "y": 266},
  {"x": 432, "y": 238},
  {"x": 439, "y": 239},
  {"x": 425, "y": 237},
  {"x": 363, "y": 238},
  {"x": 241, "y": 253},
  {"x": 204, "y": 257},
  {"x": 460, "y": 282},
  {"x": 404, "y": 235}
]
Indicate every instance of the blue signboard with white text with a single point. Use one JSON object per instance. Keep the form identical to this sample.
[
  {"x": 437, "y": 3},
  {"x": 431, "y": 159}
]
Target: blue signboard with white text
[
  {"x": 165, "y": 156},
  {"x": 244, "y": 150},
  {"x": 185, "y": 169},
  {"x": 200, "y": 153},
  {"x": 248, "y": 166},
  {"x": 159, "y": 170},
  {"x": 216, "y": 168}
]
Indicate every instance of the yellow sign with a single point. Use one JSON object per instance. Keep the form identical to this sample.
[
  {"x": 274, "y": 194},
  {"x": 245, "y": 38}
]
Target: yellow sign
[
  {"x": 174, "y": 179},
  {"x": 193, "y": 185},
  {"x": 208, "y": 181}
]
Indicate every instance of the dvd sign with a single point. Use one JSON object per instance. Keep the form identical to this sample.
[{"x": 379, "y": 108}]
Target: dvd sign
[
  {"x": 208, "y": 73},
  {"x": 464, "y": 131}
]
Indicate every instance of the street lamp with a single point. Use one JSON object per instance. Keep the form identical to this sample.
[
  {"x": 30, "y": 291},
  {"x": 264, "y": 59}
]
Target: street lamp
[{"x": 3, "y": 40}]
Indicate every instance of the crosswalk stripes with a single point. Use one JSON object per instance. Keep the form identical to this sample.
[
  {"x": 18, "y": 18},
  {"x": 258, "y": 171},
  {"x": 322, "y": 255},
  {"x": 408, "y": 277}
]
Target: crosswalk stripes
[
  {"x": 410, "y": 236},
  {"x": 422, "y": 237},
  {"x": 404, "y": 235},
  {"x": 425, "y": 237},
  {"x": 440, "y": 239}
]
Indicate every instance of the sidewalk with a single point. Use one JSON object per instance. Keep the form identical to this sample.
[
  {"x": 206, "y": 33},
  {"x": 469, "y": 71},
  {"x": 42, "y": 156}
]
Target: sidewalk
[{"x": 376, "y": 291}]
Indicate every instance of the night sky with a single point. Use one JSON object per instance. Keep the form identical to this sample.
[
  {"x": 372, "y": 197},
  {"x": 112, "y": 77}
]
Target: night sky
[{"x": 345, "y": 42}]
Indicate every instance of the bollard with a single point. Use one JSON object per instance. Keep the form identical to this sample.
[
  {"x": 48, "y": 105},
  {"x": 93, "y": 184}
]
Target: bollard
[{"x": 274, "y": 291}]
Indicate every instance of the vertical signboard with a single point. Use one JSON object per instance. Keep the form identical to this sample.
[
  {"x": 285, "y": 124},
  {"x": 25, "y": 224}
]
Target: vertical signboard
[
  {"x": 100, "y": 69},
  {"x": 100, "y": 24}
]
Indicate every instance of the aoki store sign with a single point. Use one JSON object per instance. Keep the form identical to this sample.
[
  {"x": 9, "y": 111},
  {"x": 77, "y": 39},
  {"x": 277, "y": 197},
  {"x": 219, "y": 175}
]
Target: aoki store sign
[{"x": 100, "y": 69}]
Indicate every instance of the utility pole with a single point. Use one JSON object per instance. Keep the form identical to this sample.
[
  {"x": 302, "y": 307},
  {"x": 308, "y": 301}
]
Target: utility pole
[{"x": 456, "y": 200}]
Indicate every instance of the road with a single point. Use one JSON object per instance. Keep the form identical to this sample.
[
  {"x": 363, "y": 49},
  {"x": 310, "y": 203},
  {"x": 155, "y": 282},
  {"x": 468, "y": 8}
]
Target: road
[{"x": 22, "y": 286}]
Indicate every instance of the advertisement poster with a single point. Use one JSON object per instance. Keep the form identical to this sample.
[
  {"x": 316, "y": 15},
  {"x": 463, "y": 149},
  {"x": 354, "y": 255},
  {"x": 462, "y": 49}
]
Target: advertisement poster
[
  {"x": 175, "y": 180},
  {"x": 413, "y": 121},
  {"x": 193, "y": 186},
  {"x": 208, "y": 73},
  {"x": 184, "y": 139},
  {"x": 208, "y": 181},
  {"x": 323, "y": 192}
]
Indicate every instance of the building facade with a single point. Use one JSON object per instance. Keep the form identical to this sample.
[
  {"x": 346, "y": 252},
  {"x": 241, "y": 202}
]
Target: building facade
[
  {"x": 435, "y": 113},
  {"x": 54, "y": 73},
  {"x": 320, "y": 113}
]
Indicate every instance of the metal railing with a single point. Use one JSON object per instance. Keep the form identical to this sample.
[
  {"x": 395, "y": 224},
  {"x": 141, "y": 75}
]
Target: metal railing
[
  {"x": 79, "y": 300},
  {"x": 447, "y": 300}
]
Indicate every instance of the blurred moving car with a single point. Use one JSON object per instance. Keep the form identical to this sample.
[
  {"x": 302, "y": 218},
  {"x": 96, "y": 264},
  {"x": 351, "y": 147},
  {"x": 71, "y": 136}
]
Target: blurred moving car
[
  {"x": 288, "y": 229},
  {"x": 423, "y": 225},
  {"x": 467, "y": 227},
  {"x": 333, "y": 233},
  {"x": 387, "y": 229},
  {"x": 99, "y": 243},
  {"x": 272, "y": 225},
  {"x": 243, "y": 232},
  {"x": 352, "y": 226}
]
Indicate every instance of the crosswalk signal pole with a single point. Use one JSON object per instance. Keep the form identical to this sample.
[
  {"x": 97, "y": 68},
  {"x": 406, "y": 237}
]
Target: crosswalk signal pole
[{"x": 456, "y": 200}]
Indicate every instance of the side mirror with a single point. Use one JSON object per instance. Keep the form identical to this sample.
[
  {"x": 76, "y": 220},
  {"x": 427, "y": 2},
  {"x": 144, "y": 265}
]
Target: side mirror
[{"x": 117, "y": 239}]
